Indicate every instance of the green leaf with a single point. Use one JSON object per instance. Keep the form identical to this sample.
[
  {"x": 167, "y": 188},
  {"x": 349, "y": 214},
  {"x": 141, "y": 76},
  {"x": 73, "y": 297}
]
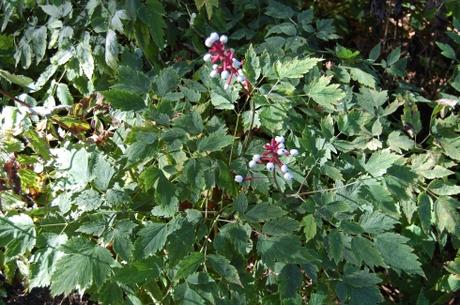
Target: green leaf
[
  {"x": 365, "y": 296},
  {"x": 371, "y": 100},
  {"x": 82, "y": 265},
  {"x": 263, "y": 212},
  {"x": 43, "y": 261},
  {"x": 139, "y": 271},
  {"x": 17, "y": 235},
  {"x": 102, "y": 172},
  {"x": 216, "y": 141},
  {"x": 285, "y": 249},
  {"x": 251, "y": 65},
  {"x": 64, "y": 95},
  {"x": 152, "y": 16},
  {"x": 278, "y": 10},
  {"x": 295, "y": 68},
  {"x": 233, "y": 239},
  {"x": 124, "y": 100},
  {"x": 436, "y": 172},
  {"x": 85, "y": 58},
  {"x": 166, "y": 81},
  {"x": 290, "y": 280},
  {"x": 424, "y": 211},
  {"x": 222, "y": 266},
  {"x": 165, "y": 192},
  {"x": 440, "y": 187},
  {"x": 38, "y": 144},
  {"x": 447, "y": 216},
  {"x": 240, "y": 203},
  {"x": 39, "y": 37},
  {"x": 209, "y": 4},
  {"x": 361, "y": 278},
  {"x": 132, "y": 80},
  {"x": 20, "y": 80},
  {"x": 280, "y": 226},
  {"x": 309, "y": 226},
  {"x": 397, "y": 254},
  {"x": 336, "y": 245},
  {"x": 222, "y": 102},
  {"x": 324, "y": 93},
  {"x": 379, "y": 162},
  {"x": 111, "y": 49},
  {"x": 397, "y": 141},
  {"x": 376, "y": 222},
  {"x": 447, "y": 50},
  {"x": 394, "y": 56},
  {"x": 375, "y": 52},
  {"x": 191, "y": 122},
  {"x": 120, "y": 235},
  {"x": 364, "y": 250},
  {"x": 185, "y": 295},
  {"x": 152, "y": 238},
  {"x": 362, "y": 77},
  {"x": 189, "y": 265}
]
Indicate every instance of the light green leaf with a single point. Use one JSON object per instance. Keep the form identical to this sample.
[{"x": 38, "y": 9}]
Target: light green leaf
[
  {"x": 394, "y": 56},
  {"x": 120, "y": 235},
  {"x": 221, "y": 102},
  {"x": 224, "y": 268},
  {"x": 324, "y": 93},
  {"x": 124, "y": 100},
  {"x": 17, "y": 235},
  {"x": 152, "y": 238},
  {"x": 376, "y": 222},
  {"x": 39, "y": 37},
  {"x": 64, "y": 95},
  {"x": 446, "y": 188},
  {"x": 294, "y": 68},
  {"x": 102, "y": 172},
  {"x": 216, "y": 141},
  {"x": 362, "y": 77},
  {"x": 379, "y": 162},
  {"x": 82, "y": 265},
  {"x": 447, "y": 216},
  {"x": 397, "y": 254},
  {"x": 38, "y": 144},
  {"x": 309, "y": 226},
  {"x": 251, "y": 65},
  {"x": 371, "y": 100},
  {"x": 264, "y": 211},
  {"x": 436, "y": 172},
  {"x": 111, "y": 49},
  {"x": 20, "y": 80},
  {"x": 364, "y": 250},
  {"x": 85, "y": 58}
]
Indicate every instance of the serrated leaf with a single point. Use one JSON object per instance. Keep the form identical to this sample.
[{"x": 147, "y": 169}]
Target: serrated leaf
[
  {"x": 372, "y": 100},
  {"x": 436, "y": 172},
  {"x": 132, "y": 80},
  {"x": 251, "y": 65},
  {"x": 166, "y": 81},
  {"x": 152, "y": 16},
  {"x": 191, "y": 122},
  {"x": 222, "y": 266},
  {"x": 82, "y": 265},
  {"x": 309, "y": 226},
  {"x": 216, "y": 141},
  {"x": 376, "y": 222},
  {"x": 324, "y": 93},
  {"x": 379, "y": 162},
  {"x": 185, "y": 295},
  {"x": 294, "y": 68},
  {"x": 139, "y": 272},
  {"x": 336, "y": 245},
  {"x": 375, "y": 52},
  {"x": 394, "y": 56},
  {"x": 285, "y": 249},
  {"x": 290, "y": 280},
  {"x": 364, "y": 250},
  {"x": 85, "y": 58},
  {"x": 424, "y": 211},
  {"x": 447, "y": 216},
  {"x": 361, "y": 278},
  {"x": 362, "y": 77},
  {"x": 280, "y": 226},
  {"x": 120, "y": 235},
  {"x": 17, "y": 235},
  {"x": 443, "y": 188},
  {"x": 152, "y": 238},
  {"x": 278, "y": 10},
  {"x": 39, "y": 39},
  {"x": 240, "y": 203},
  {"x": 124, "y": 100},
  {"x": 189, "y": 265},
  {"x": 264, "y": 211},
  {"x": 38, "y": 144},
  {"x": 397, "y": 254},
  {"x": 222, "y": 102},
  {"x": 397, "y": 141},
  {"x": 365, "y": 296},
  {"x": 233, "y": 239},
  {"x": 20, "y": 80}
]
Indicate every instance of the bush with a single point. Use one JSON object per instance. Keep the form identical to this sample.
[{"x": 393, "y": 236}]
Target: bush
[{"x": 321, "y": 167}]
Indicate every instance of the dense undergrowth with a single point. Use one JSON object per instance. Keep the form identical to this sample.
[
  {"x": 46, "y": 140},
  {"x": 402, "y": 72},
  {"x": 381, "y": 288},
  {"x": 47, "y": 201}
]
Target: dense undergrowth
[{"x": 323, "y": 170}]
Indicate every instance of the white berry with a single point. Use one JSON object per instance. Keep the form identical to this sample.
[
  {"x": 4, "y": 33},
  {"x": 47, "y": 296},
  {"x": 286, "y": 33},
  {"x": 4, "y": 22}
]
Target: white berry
[
  {"x": 208, "y": 42},
  {"x": 224, "y": 74},
  {"x": 213, "y": 73},
  {"x": 256, "y": 158},
  {"x": 252, "y": 164},
  {"x": 281, "y": 151},
  {"x": 279, "y": 139},
  {"x": 270, "y": 166},
  {"x": 284, "y": 168},
  {"x": 214, "y": 37},
  {"x": 239, "y": 178},
  {"x": 293, "y": 152},
  {"x": 207, "y": 57},
  {"x": 223, "y": 38},
  {"x": 287, "y": 176}
]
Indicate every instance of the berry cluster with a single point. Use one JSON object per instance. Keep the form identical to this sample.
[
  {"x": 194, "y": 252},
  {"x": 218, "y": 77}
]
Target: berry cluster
[
  {"x": 223, "y": 60},
  {"x": 271, "y": 155}
]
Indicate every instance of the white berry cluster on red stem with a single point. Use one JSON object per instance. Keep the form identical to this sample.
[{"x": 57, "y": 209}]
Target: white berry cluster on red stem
[
  {"x": 271, "y": 158},
  {"x": 224, "y": 62}
]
